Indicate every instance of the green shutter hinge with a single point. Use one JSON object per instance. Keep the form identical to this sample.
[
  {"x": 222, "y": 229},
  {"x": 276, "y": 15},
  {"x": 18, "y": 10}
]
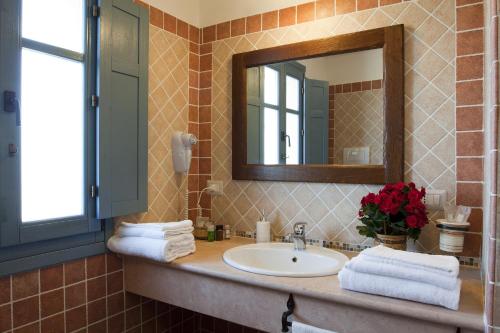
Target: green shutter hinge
[
  {"x": 96, "y": 11},
  {"x": 94, "y": 101},
  {"x": 93, "y": 191}
]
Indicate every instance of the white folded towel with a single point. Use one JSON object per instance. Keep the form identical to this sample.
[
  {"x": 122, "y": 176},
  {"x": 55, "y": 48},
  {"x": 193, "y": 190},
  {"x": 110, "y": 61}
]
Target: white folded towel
[
  {"x": 439, "y": 264},
  {"x": 399, "y": 288},
  {"x": 151, "y": 232},
  {"x": 364, "y": 264},
  {"x": 164, "y": 226},
  {"x": 303, "y": 328},
  {"x": 163, "y": 250}
]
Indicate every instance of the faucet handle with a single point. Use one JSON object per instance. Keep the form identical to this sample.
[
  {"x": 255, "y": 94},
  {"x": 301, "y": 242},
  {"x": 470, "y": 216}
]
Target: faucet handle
[{"x": 299, "y": 228}]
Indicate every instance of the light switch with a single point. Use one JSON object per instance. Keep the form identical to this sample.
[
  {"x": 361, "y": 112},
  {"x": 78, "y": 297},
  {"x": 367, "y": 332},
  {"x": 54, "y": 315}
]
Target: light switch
[{"x": 435, "y": 199}]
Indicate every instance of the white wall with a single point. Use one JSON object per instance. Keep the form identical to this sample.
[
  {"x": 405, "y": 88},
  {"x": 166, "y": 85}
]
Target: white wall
[{"x": 346, "y": 68}]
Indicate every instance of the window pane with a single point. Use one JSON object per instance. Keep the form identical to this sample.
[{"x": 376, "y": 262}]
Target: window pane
[
  {"x": 292, "y": 93},
  {"x": 271, "y": 86},
  {"x": 44, "y": 22},
  {"x": 292, "y": 130},
  {"x": 271, "y": 136},
  {"x": 52, "y": 137}
]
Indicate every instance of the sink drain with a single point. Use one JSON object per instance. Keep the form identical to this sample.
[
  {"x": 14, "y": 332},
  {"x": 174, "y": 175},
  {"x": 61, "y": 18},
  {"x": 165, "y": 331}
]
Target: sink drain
[{"x": 294, "y": 259}]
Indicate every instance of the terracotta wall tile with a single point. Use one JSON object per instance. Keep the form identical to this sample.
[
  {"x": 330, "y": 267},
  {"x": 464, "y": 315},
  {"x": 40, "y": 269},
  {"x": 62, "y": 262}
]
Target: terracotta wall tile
[
  {"x": 115, "y": 303},
  {"x": 345, "y": 6},
  {"x": 74, "y": 271},
  {"x": 96, "y": 310},
  {"x": 306, "y": 12},
  {"x": 52, "y": 302},
  {"x": 206, "y": 62},
  {"x": 470, "y": 67},
  {"x": 470, "y": 17},
  {"x": 96, "y": 288},
  {"x": 113, "y": 263},
  {"x": 223, "y": 30},
  {"x": 470, "y": 93},
  {"x": 470, "y": 169},
  {"x": 76, "y": 318},
  {"x": 205, "y": 114},
  {"x": 156, "y": 17},
  {"x": 25, "y": 285},
  {"x": 205, "y": 48},
  {"x": 366, "y": 4},
  {"x": 287, "y": 16},
  {"x": 472, "y": 245},
  {"x": 96, "y": 266},
  {"x": 25, "y": 311},
  {"x": 205, "y": 132},
  {"x": 469, "y": 118},
  {"x": 467, "y": 2},
  {"x": 182, "y": 29},
  {"x": 194, "y": 34},
  {"x": 116, "y": 324},
  {"x": 205, "y": 79},
  {"x": 31, "y": 328},
  {"x": 53, "y": 324},
  {"x": 5, "y": 286},
  {"x": 470, "y": 144},
  {"x": 270, "y": 20},
  {"x": 114, "y": 282},
  {"x": 254, "y": 23},
  {"x": 75, "y": 295},
  {"x": 476, "y": 220},
  {"x": 470, "y": 194},
  {"x": 5, "y": 318},
  {"x": 324, "y": 8},
  {"x": 470, "y": 42},
  {"x": 205, "y": 96},
  {"x": 169, "y": 23},
  {"x": 389, "y": 2},
  {"x": 238, "y": 27},
  {"x": 209, "y": 34}
]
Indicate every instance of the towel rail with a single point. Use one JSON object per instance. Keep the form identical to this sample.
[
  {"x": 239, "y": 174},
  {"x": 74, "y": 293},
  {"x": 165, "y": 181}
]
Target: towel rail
[{"x": 290, "y": 305}]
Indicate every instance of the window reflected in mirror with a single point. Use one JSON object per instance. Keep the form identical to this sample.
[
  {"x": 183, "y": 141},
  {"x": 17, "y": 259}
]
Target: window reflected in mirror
[{"x": 323, "y": 110}]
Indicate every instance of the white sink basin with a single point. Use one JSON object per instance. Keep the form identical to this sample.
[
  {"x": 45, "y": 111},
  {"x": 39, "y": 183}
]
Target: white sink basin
[{"x": 280, "y": 259}]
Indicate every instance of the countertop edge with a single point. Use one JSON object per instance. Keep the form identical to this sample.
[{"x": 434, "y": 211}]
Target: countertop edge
[{"x": 464, "y": 320}]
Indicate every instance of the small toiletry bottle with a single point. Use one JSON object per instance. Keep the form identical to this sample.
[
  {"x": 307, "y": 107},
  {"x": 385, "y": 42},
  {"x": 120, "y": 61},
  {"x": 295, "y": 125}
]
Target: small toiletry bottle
[
  {"x": 210, "y": 232},
  {"x": 219, "y": 232},
  {"x": 200, "y": 229},
  {"x": 227, "y": 231}
]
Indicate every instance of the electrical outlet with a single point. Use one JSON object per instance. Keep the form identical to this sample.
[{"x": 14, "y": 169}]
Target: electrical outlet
[
  {"x": 435, "y": 199},
  {"x": 216, "y": 187}
]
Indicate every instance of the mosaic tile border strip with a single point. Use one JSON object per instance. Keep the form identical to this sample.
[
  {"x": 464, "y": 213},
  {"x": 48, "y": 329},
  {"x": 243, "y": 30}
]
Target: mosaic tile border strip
[{"x": 335, "y": 245}]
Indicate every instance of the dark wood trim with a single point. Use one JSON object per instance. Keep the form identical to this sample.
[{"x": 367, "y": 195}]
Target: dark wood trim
[{"x": 388, "y": 38}]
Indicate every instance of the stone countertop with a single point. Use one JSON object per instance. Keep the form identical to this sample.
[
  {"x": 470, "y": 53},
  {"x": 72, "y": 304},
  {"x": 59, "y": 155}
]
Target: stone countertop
[{"x": 207, "y": 260}]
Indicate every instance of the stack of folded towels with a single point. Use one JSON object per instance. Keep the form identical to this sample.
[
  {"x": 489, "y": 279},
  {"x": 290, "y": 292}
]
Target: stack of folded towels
[
  {"x": 163, "y": 242},
  {"x": 419, "y": 277}
]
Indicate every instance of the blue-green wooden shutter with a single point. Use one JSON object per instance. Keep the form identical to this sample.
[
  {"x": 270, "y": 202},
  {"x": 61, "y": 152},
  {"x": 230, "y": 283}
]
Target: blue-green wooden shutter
[
  {"x": 122, "y": 111},
  {"x": 316, "y": 122}
]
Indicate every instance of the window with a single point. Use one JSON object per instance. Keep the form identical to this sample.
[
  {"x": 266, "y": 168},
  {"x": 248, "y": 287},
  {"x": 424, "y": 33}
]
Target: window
[
  {"x": 53, "y": 106},
  {"x": 56, "y": 184},
  {"x": 282, "y": 113}
]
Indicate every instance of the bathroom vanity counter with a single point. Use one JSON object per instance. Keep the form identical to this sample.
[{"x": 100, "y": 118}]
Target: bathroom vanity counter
[{"x": 202, "y": 282}]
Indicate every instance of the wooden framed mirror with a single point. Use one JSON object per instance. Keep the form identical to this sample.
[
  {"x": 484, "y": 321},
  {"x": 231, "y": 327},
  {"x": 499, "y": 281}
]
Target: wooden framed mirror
[{"x": 327, "y": 110}]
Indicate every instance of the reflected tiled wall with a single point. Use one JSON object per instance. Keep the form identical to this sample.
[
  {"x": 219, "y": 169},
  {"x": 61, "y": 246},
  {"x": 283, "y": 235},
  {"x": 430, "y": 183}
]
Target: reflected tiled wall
[{"x": 359, "y": 119}]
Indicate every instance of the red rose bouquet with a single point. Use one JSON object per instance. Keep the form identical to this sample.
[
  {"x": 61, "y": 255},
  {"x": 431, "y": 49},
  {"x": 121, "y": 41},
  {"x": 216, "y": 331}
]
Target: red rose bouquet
[{"x": 397, "y": 209}]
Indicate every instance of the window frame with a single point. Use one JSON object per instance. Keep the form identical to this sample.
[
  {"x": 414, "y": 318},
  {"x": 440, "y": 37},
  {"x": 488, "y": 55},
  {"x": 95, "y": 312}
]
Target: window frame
[{"x": 25, "y": 246}]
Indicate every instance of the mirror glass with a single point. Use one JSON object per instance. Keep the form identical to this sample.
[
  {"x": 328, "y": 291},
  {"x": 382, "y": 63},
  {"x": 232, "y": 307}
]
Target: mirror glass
[{"x": 322, "y": 110}]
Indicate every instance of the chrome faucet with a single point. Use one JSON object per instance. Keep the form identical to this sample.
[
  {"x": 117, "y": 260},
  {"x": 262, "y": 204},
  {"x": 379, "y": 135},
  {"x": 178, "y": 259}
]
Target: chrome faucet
[{"x": 299, "y": 236}]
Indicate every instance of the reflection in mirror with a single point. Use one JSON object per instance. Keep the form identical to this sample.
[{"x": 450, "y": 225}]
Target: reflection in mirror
[{"x": 323, "y": 110}]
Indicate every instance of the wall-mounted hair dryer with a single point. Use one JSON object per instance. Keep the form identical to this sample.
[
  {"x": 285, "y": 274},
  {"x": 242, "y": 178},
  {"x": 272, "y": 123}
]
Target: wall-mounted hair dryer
[{"x": 181, "y": 150}]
